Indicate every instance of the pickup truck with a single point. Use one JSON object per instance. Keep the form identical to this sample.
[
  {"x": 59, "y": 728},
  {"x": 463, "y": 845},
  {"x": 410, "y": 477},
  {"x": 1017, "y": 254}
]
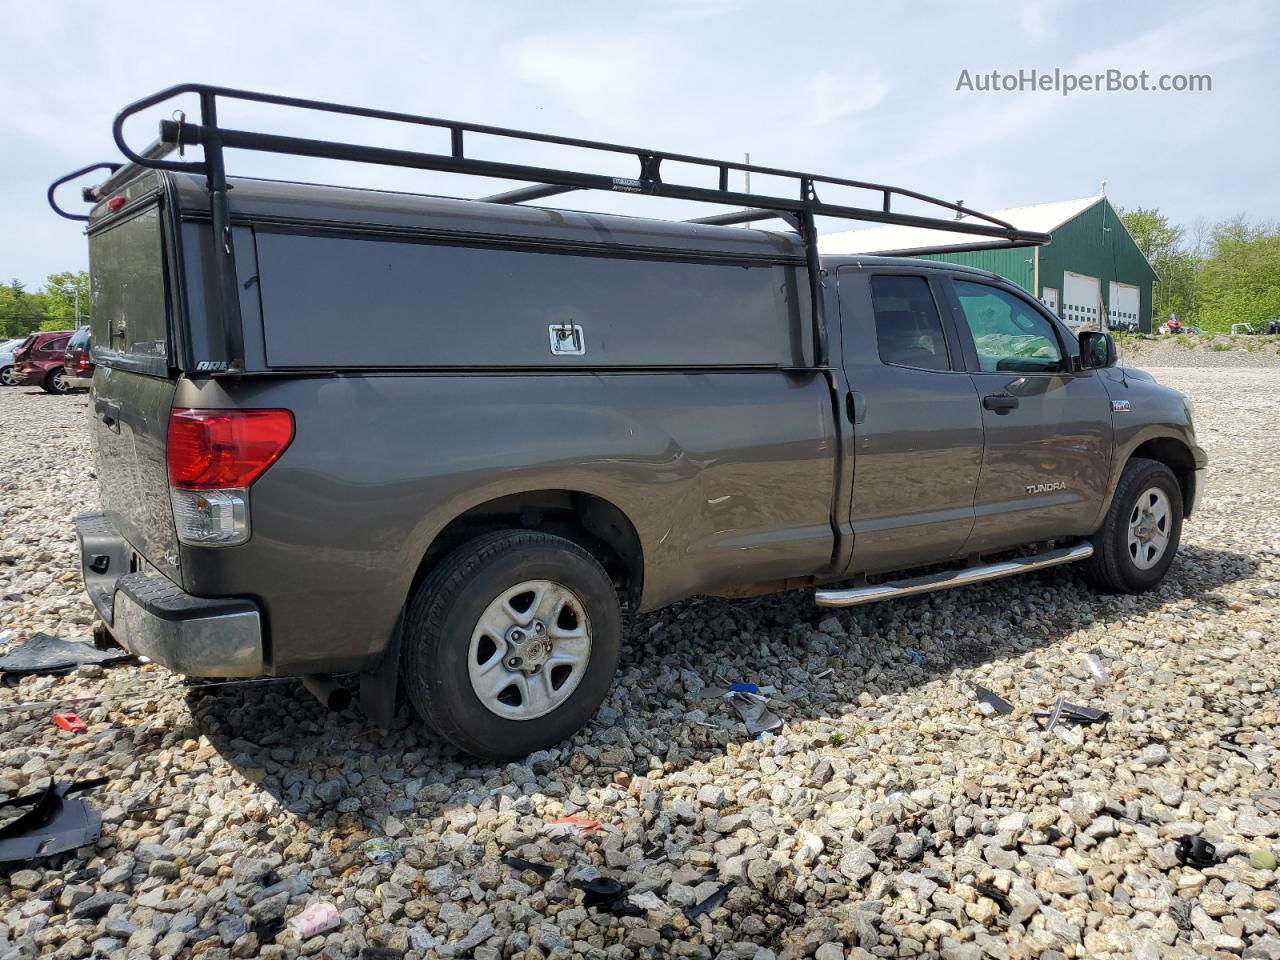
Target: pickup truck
[{"x": 445, "y": 444}]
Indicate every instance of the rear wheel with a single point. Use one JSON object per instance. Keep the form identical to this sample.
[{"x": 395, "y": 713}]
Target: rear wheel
[
  {"x": 56, "y": 382},
  {"x": 8, "y": 378},
  {"x": 511, "y": 643},
  {"x": 1136, "y": 544}
]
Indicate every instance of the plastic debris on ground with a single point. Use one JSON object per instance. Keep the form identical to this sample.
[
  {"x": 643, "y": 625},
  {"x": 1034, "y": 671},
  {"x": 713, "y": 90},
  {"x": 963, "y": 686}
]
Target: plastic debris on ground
[
  {"x": 45, "y": 653},
  {"x": 752, "y": 705},
  {"x": 991, "y": 703},
  {"x": 1097, "y": 669},
  {"x": 70, "y": 722},
  {"x": 646, "y": 901},
  {"x": 710, "y": 903},
  {"x": 520, "y": 865},
  {"x": 578, "y": 828},
  {"x": 916, "y": 657},
  {"x": 53, "y": 823},
  {"x": 1064, "y": 712},
  {"x": 379, "y": 850},
  {"x": 316, "y": 919},
  {"x": 1196, "y": 852},
  {"x": 609, "y": 895}
]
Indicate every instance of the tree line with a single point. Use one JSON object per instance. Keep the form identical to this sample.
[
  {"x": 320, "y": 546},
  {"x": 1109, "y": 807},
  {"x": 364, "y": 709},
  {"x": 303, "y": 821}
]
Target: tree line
[
  {"x": 53, "y": 307},
  {"x": 1211, "y": 275}
]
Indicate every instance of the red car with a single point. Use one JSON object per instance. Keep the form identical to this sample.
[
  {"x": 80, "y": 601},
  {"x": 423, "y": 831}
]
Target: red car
[
  {"x": 77, "y": 362},
  {"x": 39, "y": 361}
]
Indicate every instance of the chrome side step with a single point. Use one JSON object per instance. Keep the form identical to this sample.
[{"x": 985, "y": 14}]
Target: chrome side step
[{"x": 852, "y": 596}]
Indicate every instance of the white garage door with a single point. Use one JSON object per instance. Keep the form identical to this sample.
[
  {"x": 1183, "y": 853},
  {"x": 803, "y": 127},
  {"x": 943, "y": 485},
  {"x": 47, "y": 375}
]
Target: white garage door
[
  {"x": 1125, "y": 305},
  {"x": 1082, "y": 299}
]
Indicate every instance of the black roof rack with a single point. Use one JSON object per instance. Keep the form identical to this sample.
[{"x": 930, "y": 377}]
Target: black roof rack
[{"x": 799, "y": 209}]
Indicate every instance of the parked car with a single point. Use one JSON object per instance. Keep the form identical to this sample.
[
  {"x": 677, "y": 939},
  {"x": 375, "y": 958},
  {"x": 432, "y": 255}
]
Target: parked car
[
  {"x": 77, "y": 362},
  {"x": 39, "y": 361},
  {"x": 552, "y": 418},
  {"x": 1272, "y": 327},
  {"x": 8, "y": 376}
]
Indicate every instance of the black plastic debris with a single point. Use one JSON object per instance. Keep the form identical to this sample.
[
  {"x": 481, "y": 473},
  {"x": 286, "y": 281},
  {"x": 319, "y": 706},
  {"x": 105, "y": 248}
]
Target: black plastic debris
[
  {"x": 380, "y": 953},
  {"x": 1064, "y": 712},
  {"x": 45, "y": 653},
  {"x": 1196, "y": 852},
  {"x": 609, "y": 895},
  {"x": 710, "y": 903},
  {"x": 53, "y": 823},
  {"x": 993, "y": 700},
  {"x": 519, "y": 863},
  {"x": 996, "y": 896}
]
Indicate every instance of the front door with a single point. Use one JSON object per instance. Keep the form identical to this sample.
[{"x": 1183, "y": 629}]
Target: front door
[
  {"x": 1047, "y": 455},
  {"x": 916, "y": 421}
]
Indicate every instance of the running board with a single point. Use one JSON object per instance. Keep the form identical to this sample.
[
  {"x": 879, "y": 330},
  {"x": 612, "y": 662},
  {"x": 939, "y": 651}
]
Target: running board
[{"x": 852, "y": 596}]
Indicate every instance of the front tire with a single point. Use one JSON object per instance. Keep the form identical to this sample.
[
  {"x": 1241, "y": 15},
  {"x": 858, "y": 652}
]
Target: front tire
[
  {"x": 1139, "y": 537},
  {"x": 511, "y": 643}
]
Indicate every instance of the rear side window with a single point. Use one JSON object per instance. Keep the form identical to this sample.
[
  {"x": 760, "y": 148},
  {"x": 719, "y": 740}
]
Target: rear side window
[
  {"x": 342, "y": 301},
  {"x": 126, "y": 267},
  {"x": 54, "y": 346},
  {"x": 1010, "y": 336},
  {"x": 908, "y": 328}
]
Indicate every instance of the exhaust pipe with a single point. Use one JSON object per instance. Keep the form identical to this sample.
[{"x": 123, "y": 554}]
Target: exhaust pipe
[{"x": 332, "y": 695}]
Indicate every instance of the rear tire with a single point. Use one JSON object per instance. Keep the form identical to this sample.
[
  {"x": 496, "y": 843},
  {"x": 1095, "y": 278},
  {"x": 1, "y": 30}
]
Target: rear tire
[
  {"x": 8, "y": 377},
  {"x": 1139, "y": 537},
  {"x": 511, "y": 643},
  {"x": 56, "y": 381}
]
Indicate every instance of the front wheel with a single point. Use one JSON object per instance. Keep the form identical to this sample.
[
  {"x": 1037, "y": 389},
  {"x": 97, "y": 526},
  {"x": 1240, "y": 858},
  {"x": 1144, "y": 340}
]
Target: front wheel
[
  {"x": 1136, "y": 544},
  {"x": 511, "y": 643}
]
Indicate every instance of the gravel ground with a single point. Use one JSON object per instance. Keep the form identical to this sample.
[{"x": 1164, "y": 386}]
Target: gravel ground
[
  {"x": 1202, "y": 351},
  {"x": 889, "y": 818}
]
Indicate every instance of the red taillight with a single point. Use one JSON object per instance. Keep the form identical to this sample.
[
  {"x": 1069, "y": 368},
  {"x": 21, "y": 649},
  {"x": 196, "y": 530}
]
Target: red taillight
[
  {"x": 221, "y": 449},
  {"x": 82, "y": 362},
  {"x": 116, "y": 202}
]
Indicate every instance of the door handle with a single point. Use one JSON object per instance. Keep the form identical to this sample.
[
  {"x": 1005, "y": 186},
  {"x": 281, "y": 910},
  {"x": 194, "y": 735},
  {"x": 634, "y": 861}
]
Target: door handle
[
  {"x": 1000, "y": 403},
  {"x": 855, "y": 406}
]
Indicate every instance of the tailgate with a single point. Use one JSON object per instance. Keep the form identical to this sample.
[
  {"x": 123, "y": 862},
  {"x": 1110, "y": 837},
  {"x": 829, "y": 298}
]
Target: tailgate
[{"x": 132, "y": 389}]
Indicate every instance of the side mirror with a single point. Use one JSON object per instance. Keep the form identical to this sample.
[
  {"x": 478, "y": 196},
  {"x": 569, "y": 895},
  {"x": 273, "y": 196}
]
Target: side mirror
[{"x": 1097, "y": 350}]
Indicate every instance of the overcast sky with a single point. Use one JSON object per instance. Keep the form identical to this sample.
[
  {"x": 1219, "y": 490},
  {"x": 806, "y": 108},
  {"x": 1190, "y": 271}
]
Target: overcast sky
[{"x": 863, "y": 91}]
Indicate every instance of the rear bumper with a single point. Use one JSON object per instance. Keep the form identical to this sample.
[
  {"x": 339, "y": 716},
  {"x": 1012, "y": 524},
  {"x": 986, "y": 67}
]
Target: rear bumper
[
  {"x": 151, "y": 616},
  {"x": 79, "y": 383}
]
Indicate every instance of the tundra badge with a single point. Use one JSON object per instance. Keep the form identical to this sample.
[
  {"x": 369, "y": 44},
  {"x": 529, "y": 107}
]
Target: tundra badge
[
  {"x": 1046, "y": 487},
  {"x": 1119, "y": 406}
]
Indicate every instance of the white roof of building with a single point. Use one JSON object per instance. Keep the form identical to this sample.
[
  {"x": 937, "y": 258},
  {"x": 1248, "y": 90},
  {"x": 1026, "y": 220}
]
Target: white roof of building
[{"x": 1040, "y": 217}]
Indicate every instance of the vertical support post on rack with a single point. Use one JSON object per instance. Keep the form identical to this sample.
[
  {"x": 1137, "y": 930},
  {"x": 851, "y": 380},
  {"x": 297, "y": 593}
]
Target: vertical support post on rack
[
  {"x": 809, "y": 233},
  {"x": 228, "y": 298}
]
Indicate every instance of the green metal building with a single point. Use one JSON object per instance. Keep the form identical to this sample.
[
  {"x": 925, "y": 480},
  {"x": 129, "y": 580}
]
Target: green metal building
[{"x": 1092, "y": 272}]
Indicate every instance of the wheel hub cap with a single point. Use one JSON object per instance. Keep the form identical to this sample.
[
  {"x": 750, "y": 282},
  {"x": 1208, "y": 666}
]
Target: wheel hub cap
[
  {"x": 1150, "y": 524},
  {"x": 529, "y": 650}
]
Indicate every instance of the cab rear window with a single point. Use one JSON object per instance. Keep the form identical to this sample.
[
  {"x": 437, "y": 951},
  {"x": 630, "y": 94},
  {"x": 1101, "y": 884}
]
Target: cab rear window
[{"x": 126, "y": 267}]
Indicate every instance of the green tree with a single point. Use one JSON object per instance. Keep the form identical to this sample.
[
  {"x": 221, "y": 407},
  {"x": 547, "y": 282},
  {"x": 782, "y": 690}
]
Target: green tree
[
  {"x": 20, "y": 312},
  {"x": 1162, "y": 243},
  {"x": 60, "y": 295},
  {"x": 1240, "y": 275}
]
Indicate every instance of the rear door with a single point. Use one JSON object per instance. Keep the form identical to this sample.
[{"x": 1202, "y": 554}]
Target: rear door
[
  {"x": 132, "y": 390},
  {"x": 1047, "y": 454},
  {"x": 917, "y": 426}
]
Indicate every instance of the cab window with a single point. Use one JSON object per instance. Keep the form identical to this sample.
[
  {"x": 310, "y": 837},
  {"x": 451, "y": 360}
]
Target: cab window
[
  {"x": 908, "y": 328},
  {"x": 1009, "y": 335}
]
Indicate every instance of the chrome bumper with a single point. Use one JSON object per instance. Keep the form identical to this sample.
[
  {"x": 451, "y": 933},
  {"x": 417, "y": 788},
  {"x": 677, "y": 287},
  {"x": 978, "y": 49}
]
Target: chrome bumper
[{"x": 151, "y": 616}]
